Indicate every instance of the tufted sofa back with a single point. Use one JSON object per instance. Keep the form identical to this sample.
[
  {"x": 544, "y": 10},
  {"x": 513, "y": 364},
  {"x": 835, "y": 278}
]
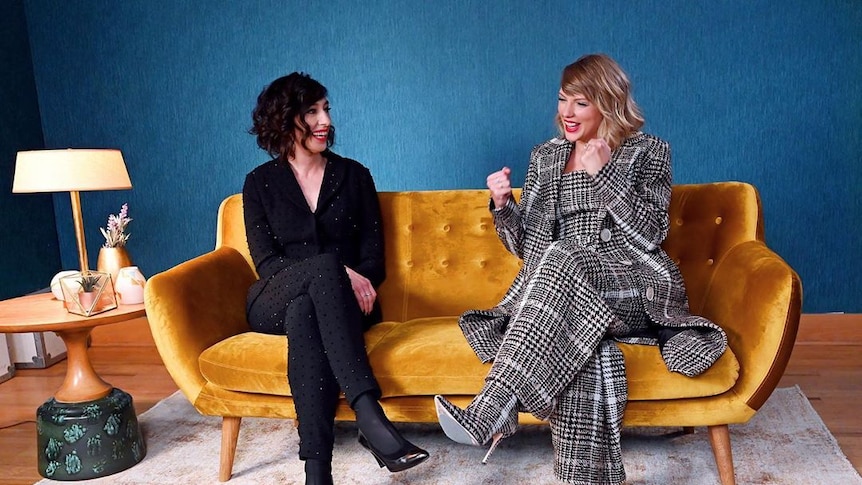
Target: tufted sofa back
[
  {"x": 706, "y": 222},
  {"x": 443, "y": 256}
]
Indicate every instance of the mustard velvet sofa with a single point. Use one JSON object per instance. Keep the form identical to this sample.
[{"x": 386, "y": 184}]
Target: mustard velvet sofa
[{"x": 443, "y": 257}]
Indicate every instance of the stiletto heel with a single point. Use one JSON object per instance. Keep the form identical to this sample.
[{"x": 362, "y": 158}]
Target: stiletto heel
[
  {"x": 495, "y": 440},
  {"x": 364, "y": 443},
  {"x": 407, "y": 457}
]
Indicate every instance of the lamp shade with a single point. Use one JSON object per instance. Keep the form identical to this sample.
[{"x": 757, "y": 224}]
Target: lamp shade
[{"x": 70, "y": 170}]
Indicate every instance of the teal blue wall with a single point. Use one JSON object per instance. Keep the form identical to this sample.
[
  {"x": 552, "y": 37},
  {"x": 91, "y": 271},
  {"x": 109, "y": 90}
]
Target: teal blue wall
[
  {"x": 29, "y": 251},
  {"x": 434, "y": 95}
]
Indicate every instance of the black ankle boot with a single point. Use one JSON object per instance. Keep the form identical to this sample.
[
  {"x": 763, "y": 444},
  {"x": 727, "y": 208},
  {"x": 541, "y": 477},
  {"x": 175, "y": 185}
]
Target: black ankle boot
[
  {"x": 379, "y": 436},
  {"x": 318, "y": 472}
]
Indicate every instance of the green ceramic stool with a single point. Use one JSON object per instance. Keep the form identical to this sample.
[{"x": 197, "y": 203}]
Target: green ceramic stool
[{"x": 80, "y": 441}]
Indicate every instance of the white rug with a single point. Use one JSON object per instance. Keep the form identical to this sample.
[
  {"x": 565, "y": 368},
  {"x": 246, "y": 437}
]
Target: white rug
[{"x": 785, "y": 443}]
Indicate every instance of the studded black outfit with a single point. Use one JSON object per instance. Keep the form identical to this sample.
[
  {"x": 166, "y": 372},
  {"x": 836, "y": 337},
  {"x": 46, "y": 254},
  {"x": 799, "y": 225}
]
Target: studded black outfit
[{"x": 304, "y": 291}]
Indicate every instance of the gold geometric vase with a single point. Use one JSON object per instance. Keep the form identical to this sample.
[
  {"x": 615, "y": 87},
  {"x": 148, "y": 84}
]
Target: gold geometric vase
[{"x": 111, "y": 260}]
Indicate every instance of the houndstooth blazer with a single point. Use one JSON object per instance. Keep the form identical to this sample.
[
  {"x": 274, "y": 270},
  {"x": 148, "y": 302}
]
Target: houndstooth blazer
[{"x": 634, "y": 189}]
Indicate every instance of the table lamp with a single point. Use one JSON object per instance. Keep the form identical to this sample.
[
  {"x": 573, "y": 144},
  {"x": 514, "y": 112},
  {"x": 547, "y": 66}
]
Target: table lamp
[
  {"x": 73, "y": 171},
  {"x": 91, "y": 422}
]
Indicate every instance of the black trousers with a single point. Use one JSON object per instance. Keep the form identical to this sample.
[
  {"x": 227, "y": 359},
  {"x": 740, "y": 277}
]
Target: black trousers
[{"x": 313, "y": 303}]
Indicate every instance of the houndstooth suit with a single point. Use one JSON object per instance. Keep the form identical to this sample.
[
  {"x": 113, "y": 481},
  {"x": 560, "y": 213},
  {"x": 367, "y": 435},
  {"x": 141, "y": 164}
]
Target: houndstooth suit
[{"x": 585, "y": 278}]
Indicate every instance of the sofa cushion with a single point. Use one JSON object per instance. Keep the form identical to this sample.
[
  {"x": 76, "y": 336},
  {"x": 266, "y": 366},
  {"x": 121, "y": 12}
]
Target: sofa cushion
[
  {"x": 250, "y": 361},
  {"x": 649, "y": 379},
  {"x": 257, "y": 362},
  {"x": 428, "y": 356}
]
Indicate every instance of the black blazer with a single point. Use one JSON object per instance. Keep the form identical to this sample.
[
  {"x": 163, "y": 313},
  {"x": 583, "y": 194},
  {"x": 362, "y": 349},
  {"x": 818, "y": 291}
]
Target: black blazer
[{"x": 281, "y": 229}]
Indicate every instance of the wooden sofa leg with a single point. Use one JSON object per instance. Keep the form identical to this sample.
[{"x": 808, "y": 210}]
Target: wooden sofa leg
[
  {"x": 229, "y": 435},
  {"x": 719, "y": 438}
]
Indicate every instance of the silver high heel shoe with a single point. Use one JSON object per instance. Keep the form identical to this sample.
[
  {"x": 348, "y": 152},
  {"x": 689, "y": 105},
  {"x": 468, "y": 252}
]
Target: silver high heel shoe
[{"x": 472, "y": 427}]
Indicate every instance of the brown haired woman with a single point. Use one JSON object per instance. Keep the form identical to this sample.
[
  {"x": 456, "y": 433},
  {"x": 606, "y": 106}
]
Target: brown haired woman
[
  {"x": 314, "y": 231},
  {"x": 592, "y": 216}
]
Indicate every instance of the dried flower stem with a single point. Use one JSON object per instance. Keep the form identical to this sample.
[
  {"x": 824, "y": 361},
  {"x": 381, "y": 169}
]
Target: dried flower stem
[{"x": 115, "y": 236}]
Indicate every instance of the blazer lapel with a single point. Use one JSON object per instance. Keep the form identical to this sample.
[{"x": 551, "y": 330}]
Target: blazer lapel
[
  {"x": 550, "y": 172},
  {"x": 288, "y": 185},
  {"x": 621, "y": 161},
  {"x": 333, "y": 177}
]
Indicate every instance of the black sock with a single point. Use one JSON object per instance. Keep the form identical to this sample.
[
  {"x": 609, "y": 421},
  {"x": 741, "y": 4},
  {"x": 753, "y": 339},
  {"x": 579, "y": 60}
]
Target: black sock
[
  {"x": 376, "y": 427},
  {"x": 318, "y": 472}
]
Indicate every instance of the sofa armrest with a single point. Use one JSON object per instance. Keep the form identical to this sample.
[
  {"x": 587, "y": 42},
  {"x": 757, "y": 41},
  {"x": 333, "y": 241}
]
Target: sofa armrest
[
  {"x": 756, "y": 297},
  {"x": 192, "y": 306}
]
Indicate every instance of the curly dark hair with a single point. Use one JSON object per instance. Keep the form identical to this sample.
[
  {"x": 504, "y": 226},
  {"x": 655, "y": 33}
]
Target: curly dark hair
[{"x": 280, "y": 109}]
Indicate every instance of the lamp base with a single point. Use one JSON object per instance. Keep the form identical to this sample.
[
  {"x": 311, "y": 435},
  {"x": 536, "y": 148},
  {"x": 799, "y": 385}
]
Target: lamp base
[{"x": 80, "y": 441}]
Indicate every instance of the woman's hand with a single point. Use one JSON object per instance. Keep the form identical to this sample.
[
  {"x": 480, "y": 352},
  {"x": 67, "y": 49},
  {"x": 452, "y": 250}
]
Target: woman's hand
[
  {"x": 597, "y": 154},
  {"x": 363, "y": 289},
  {"x": 500, "y": 186}
]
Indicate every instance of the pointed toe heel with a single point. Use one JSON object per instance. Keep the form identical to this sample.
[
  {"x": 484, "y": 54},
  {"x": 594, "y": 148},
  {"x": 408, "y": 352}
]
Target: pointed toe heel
[
  {"x": 450, "y": 418},
  {"x": 457, "y": 424},
  {"x": 407, "y": 457}
]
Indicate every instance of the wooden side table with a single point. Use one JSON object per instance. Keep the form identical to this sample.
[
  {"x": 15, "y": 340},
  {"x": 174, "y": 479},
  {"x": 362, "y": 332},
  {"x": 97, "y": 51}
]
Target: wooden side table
[{"x": 89, "y": 429}]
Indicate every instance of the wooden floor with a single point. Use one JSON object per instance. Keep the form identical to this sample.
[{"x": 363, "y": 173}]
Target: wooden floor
[{"x": 826, "y": 364}]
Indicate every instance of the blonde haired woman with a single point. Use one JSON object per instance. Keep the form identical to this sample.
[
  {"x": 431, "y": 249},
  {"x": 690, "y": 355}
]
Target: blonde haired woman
[{"x": 592, "y": 216}]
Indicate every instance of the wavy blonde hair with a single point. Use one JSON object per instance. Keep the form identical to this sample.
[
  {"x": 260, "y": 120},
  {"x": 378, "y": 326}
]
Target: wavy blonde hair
[{"x": 600, "y": 79}]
